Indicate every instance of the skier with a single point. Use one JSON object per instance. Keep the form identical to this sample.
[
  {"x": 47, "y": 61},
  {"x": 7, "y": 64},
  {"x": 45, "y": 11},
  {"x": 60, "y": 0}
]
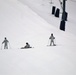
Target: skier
[
  {"x": 27, "y": 46},
  {"x": 52, "y": 40},
  {"x": 5, "y": 43}
]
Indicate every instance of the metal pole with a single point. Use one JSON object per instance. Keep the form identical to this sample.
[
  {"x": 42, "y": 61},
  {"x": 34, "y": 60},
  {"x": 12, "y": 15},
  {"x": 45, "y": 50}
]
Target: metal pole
[
  {"x": 64, "y": 14},
  {"x": 62, "y": 23},
  {"x": 63, "y": 18}
]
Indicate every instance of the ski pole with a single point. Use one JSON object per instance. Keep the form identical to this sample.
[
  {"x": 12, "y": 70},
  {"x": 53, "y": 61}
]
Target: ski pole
[
  {"x": 1, "y": 46},
  {"x": 48, "y": 42},
  {"x": 55, "y": 41},
  {"x": 9, "y": 46}
]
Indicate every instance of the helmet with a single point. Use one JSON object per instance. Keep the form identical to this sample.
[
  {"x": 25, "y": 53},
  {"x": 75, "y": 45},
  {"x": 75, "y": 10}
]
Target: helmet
[
  {"x": 52, "y": 34},
  {"x": 26, "y": 42},
  {"x": 5, "y": 37}
]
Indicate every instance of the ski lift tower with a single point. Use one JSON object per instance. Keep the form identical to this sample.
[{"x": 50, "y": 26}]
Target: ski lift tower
[
  {"x": 62, "y": 24},
  {"x": 64, "y": 3}
]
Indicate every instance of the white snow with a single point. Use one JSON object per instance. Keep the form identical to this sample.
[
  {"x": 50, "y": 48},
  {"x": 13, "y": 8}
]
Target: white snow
[
  {"x": 44, "y": 9},
  {"x": 31, "y": 21}
]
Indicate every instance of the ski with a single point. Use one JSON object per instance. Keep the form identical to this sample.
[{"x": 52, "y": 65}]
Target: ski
[{"x": 52, "y": 45}]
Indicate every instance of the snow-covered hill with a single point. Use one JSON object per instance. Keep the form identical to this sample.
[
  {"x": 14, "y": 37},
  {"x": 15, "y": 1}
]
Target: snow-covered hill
[
  {"x": 20, "y": 24},
  {"x": 44, "y": 9}
]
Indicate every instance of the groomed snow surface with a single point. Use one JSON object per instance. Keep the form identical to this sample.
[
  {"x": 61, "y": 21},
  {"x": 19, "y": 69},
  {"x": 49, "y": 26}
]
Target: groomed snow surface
[{"x": 20, "y": 24}]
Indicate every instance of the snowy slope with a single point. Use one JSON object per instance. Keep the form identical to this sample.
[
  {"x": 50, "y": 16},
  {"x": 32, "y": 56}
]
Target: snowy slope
[
  {"x": 44, "y": 9},
  {"x": 20, "y": 25}
]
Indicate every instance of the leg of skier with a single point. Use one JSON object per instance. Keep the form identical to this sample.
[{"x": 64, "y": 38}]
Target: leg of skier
[{"x": 50, "y": 43}]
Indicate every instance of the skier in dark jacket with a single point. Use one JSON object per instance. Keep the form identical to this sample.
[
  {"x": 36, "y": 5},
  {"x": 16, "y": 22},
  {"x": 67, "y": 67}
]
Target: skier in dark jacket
[
  {"x": 52, "y": 40},
  {"x": 26, "y": 46},
  {"x": 5, "y": 43}
]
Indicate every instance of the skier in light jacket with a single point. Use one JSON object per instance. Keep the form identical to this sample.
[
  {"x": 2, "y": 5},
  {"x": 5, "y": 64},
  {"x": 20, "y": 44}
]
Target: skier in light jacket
[
  {"x": 52, "y": 40},
  {"x": 5, "y": 43}
]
